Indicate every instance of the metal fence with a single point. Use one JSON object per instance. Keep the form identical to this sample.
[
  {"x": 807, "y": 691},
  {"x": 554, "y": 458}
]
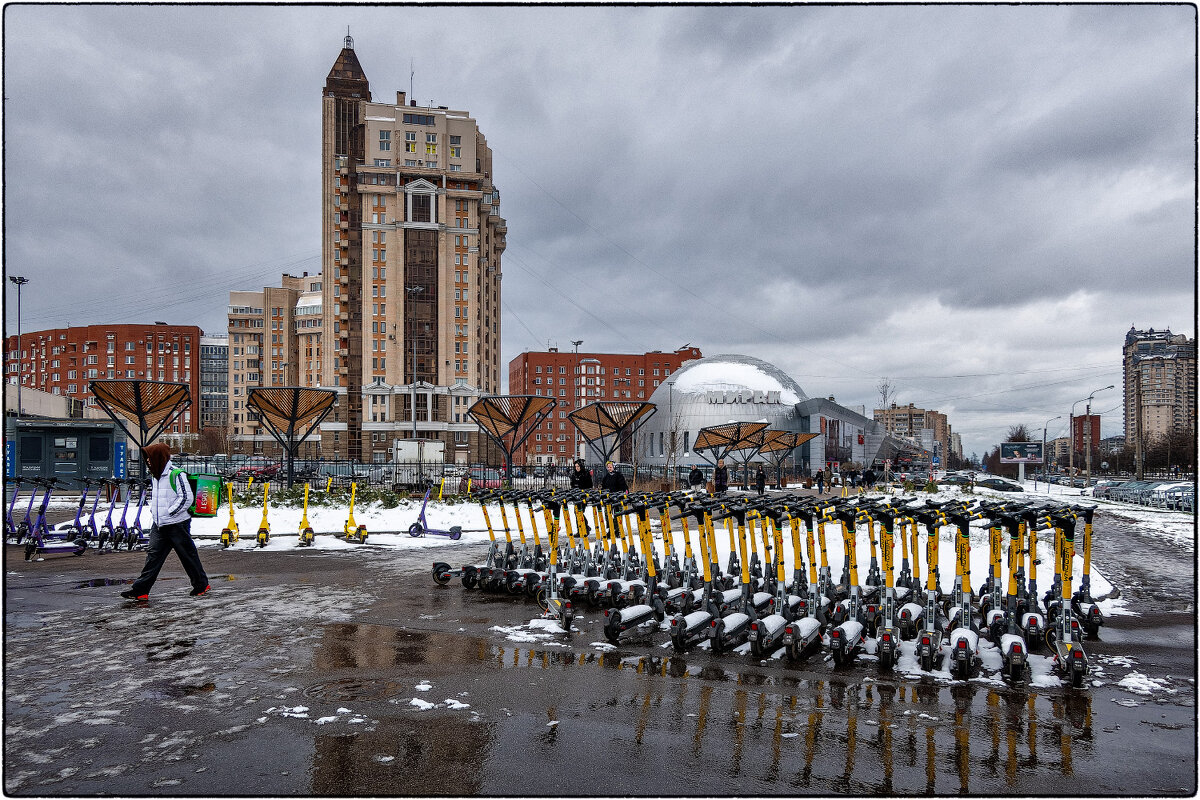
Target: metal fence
[{"x": 451, "y": 478}]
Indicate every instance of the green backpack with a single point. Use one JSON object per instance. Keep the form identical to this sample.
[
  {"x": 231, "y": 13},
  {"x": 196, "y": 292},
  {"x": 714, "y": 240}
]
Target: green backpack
[{"x": 206, "y": 492}]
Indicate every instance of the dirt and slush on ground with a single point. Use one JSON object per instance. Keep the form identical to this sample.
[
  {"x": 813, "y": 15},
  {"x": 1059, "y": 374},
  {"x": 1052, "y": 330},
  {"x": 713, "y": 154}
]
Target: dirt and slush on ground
[{"x": 352, "y": 673}]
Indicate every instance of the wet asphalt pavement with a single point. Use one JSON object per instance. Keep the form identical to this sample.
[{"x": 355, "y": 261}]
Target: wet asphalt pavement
[{"x": 352, "y": 673}]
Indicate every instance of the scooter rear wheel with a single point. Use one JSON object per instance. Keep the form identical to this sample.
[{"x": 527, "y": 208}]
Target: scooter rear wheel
[
  {"x": 512, "y": 582},
  {"x": 470, "y": 579},
  {"x": 415, "y": 530},
  {"x": 441, "y": 574}
]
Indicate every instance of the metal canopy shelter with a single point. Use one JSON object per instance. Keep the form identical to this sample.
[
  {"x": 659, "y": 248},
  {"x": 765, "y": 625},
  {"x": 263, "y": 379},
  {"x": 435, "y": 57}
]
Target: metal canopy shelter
[
  {"x": 606, "y": 425},
  {"x": 291, "y": 414},
  {"x": 152, "y": 406},
  {"x": 502, "y": 417},
  {"x": 779, "y": 445},
  {"x": 740, "y": 440}
]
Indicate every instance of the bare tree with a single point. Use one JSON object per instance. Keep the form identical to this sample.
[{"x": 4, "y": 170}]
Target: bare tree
[
  {"x": 887, "y": 393},
  {"x": 1019, "y": 433}
]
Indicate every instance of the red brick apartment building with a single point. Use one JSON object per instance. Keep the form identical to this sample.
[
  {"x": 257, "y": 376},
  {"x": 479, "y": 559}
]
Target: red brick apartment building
[
  {"x": 576, "y": 379},
  {"x": 63, "y": 361}
]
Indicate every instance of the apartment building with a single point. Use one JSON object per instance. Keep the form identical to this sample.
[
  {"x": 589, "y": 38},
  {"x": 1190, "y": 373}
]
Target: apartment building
[
  {"x": 273, "y": 339},
  {"x": 63, "y": 361},
  {"x": 1160, "y": 370},
  {"x": 910, "y": 421},
  {"x": 576, "y": 379},
  {"x": 411, "y": 244},
  {"x": 214, "y": 380}
]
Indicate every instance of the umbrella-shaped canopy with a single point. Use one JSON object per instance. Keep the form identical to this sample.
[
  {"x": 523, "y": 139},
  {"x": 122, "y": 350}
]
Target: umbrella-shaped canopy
[{"x": 607, "y": 424}]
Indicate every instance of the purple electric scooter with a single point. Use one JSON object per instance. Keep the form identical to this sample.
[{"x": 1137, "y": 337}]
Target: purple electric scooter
[{"x": 421, "y": 526}]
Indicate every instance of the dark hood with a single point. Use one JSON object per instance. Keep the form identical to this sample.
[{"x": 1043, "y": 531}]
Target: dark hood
[{"x": 157, "y": 456}]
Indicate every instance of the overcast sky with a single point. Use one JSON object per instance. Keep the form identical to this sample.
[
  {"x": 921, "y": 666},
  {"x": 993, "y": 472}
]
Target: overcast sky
[{"x": 976, "y": 202}]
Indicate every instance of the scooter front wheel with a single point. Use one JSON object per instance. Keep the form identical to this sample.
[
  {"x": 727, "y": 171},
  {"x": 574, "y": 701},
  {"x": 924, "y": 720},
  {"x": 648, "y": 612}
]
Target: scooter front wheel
[
  {"x": 441, "y": 573},
  {"x": 470, "y": 579},
  {"x": 416, "y": 530},
  {"x": 543, "y": 599}
]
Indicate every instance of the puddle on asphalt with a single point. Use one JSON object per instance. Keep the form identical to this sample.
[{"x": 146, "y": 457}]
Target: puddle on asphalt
[
  {"x": 103, "y": 582},
  {"x": 99, "y": 582}
]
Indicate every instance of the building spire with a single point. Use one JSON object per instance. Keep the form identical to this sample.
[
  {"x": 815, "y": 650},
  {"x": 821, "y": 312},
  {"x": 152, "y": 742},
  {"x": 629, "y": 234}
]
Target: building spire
[{"x": 349, "y": 42}]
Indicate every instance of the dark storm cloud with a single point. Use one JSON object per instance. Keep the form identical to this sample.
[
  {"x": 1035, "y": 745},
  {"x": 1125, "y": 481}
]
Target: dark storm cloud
[{"x": 847, "y": 191}]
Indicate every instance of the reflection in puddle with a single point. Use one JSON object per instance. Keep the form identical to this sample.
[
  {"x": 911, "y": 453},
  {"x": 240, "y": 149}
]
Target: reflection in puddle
[{"x": 766, "y": 730}]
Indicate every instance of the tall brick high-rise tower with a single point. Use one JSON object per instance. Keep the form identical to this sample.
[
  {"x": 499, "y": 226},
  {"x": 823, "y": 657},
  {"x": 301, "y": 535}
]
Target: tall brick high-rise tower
[{"x": 411, "y": 242}]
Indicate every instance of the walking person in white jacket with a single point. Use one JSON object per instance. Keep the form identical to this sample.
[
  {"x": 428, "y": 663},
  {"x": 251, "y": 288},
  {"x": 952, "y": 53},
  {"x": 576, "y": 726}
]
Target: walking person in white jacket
[{"x": 171, "y": 495}]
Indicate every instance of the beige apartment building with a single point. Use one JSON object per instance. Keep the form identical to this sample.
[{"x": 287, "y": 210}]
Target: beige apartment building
[
  {"x": 1160, "y": 370},
  {"x": 274, "y": 340},
  {"x": 910, "y": 421},
  {"x": 404, "y": 320}
]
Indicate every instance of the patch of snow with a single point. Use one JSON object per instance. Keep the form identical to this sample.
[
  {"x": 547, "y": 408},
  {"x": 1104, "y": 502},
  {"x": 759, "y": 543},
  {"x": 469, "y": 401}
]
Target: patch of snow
[
  {"x": 420, "y": 704},
  {"x": 1139, "y": 683}
]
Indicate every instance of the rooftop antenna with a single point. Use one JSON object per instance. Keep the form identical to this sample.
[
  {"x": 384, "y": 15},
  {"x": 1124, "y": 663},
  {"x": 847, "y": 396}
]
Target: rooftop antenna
[
  {"x": 349, "y": 42},
  {"x": 411, "y": 73}
]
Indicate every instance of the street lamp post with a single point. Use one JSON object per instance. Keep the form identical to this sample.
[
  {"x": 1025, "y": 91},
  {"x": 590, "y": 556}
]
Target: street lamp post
[
  {"x": 1088, "y": 480},
  {"x": 1044, "y": 460},
  {"x": 19, "y": 281},
  {"x": 575, "y": 403}
]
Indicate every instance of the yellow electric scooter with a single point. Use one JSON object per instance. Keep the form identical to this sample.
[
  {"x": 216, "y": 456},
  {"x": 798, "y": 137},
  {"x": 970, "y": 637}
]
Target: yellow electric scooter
[
  {"x": 306, "y": 531},
  {"x": 229, "y": 535},
  {"x": 352, "y": 530},
  {"x": 264, "y": 527}
]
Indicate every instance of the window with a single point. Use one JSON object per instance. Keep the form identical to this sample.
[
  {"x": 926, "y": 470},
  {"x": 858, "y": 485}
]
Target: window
[
  {"x": 418, "y": 119},
  {"x": 456, "y": 167},
  {"x": 431, "y": 138},
  {"x": 385, "y": 140},
  {"x": 456, "y": 152},
  {"x": 455, "y": 140},
  {"x": 410, "y": 136},
  {"x": 383, "y": 162},
  {"x": 431, "y": 149}
]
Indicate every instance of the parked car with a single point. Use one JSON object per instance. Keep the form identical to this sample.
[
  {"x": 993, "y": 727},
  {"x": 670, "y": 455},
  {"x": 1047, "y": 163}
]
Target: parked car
[
  {"x": 1103, "y": 488},
  {"x": 258, "y": 469},
  {"x": 481, "y": 479},
  {"x": 999, "y": 484},
  {"x": 955, "y": 479}
]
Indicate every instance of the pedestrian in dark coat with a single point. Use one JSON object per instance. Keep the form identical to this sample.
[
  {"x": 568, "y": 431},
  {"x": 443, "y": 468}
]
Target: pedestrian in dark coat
[
  {"x": 580, "y": 477},
  {"x": 170, "y": 497},
  {"x": 760, "y": 481},
  {"x": 869, "y": 479},
  {"x": 820, "y": 481},
  {"x": 695, "y": 478},
  {"x": 613, "y": 480},
  {"x": 720, "y": 477}
]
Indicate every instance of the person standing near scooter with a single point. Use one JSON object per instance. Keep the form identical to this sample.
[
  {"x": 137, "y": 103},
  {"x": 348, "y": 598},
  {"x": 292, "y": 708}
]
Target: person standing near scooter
[
  {"x": 696, "y": 478},
  {"x": 820, "y": 482},
  {"x": 613, "y": 481},
  {"x": 171, "y": 495},
  {"x": 760, "y": 481},
  {"x": 580, "y": 477},
  {"x": 720, "y": 477}
]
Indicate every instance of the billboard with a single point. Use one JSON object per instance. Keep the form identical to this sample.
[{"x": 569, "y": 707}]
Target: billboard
[{"x": 1021, "y": 453}]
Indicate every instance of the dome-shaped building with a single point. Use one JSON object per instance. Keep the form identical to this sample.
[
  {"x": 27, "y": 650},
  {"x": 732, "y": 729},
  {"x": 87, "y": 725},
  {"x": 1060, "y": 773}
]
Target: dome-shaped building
[{"x": 713, "y": 391}]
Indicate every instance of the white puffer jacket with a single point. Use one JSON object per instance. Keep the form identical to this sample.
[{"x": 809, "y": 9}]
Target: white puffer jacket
[{"x": 169, "y": 504}]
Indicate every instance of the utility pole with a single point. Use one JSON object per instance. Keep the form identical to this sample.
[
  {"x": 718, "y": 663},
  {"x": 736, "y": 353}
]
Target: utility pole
[
  {"x": 1137, "y": 424},
  {"x": 19, "y": 281}
]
